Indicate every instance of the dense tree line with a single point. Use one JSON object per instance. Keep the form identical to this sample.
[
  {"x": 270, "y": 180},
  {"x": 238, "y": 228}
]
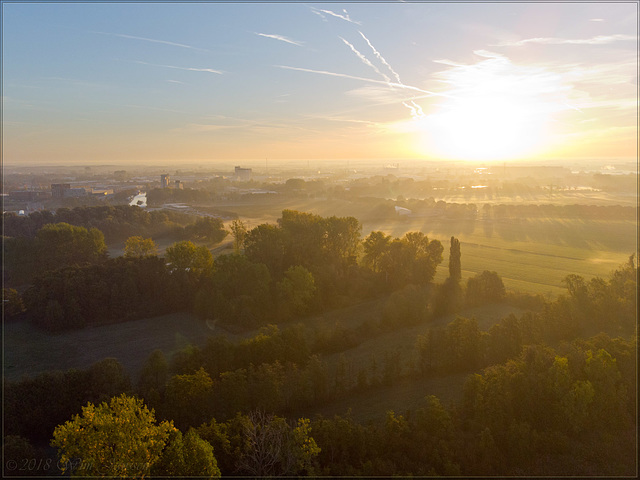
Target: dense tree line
[
  {"x": 116, "y": 290},
  {"x": 534, "y": 409},
  {"x": 118, "y": 223}
]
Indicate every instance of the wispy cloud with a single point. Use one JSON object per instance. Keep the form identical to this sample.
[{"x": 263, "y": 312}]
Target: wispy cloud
[
  {"x": 282, "y": 38},
  {"x": 152, "y": 40},
  {"x": 363, "y": 79},
  {"x": 190, "y": 69},
  {"x": 597, "y": 40},
  {"x": 344, "y": 16}
]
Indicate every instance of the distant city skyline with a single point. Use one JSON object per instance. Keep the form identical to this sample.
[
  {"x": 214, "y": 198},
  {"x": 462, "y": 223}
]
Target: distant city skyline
[{"x": 171, "y": 83}]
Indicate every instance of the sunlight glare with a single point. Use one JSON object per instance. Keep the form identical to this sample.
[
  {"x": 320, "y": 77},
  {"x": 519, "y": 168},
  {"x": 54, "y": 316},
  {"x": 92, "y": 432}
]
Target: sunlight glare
[{"x": 494, "y": 110}]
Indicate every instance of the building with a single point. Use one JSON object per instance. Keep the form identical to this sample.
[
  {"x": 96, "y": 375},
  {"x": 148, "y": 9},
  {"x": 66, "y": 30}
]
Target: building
[
  {"x": 243, "y": 174},
  {"x": 164, "y": 180},
  {"x": 58, "y": 189},
  {"x": 179, "y": 185}
]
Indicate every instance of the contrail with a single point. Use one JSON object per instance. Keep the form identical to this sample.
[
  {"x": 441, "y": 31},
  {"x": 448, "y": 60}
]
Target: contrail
[
  {"x": 365, "y": 60},
  {"x": 282, "y": 38},
  {"x": 380, "y": 57},
  {"x": 368, "y": 80},
  {"x": 416, "y": 110},
  {"x": 153, "y": 40},
  {"x": 191, "y": 69}
]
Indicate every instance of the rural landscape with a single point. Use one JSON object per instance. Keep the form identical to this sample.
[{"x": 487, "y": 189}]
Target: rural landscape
[{"x": 444, "y": 284}]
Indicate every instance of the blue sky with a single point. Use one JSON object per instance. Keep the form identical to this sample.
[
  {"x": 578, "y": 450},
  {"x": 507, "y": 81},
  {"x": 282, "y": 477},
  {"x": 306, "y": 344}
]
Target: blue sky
[{"x": 126, "y": 82}]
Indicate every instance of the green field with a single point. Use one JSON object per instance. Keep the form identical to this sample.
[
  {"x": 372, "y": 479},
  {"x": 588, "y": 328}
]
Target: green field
[{"x": 531, "y": 255}]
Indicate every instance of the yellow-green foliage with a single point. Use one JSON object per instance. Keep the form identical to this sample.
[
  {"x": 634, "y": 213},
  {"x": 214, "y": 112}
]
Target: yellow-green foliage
[{"x": 118, "y": 439}]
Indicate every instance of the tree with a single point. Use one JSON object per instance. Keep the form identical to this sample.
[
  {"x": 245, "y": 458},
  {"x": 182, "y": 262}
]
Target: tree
[
  {"x": 271, "y": 447},
  {"x": 187, "y": 256},
  {"x": 61, "y": 244},
  {"x": 239, "y": 233},
  {"x": 485, "y": 287},
  {"x": 118, "y": 439},
  {"x": 206, "y": 228},
  {"x": 137, "y": 246},
  {"x": 455, "y": 272},
  {"x": 12, "y": 304},
  {"x": 189, "y": 398},
  {"x": 296, "y": 289},
  {"x": 187, "y": 456},
  {"x": 375, "y": 246}
]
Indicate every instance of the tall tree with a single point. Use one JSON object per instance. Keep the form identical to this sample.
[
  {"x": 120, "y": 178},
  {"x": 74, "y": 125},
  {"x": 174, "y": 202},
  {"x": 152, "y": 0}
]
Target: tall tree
[
  {"x": 455, "y": 272},
  {"x": 239, "y": 233}
]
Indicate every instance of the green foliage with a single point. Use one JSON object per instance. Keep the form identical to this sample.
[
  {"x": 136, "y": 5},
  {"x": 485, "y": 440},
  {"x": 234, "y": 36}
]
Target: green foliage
[
  {"x": 210, "y": 229},
  {"x": 140, "y": 247},
  {"x": 30, "y": 412},
  {"x": 117, "y": 290},
  {"x": 187, "y": 456},
  {"x": 12, "y": 304},
  {"x": 375, "y": 246},
  {"x": 296, "y": 290},
  {"x": 189, "y": 398},
  {"x": 411, "y": 259},
  {"x": 455, "y": 272},
  {"x": 486, "y": 287},
  {"x": 239, "y": 233},
  {"x": 185, "y": 256},
  {"x": 118, "y": 439},
  {"x": 237, "y": 292},
  {"x": 60, "y": 244}
]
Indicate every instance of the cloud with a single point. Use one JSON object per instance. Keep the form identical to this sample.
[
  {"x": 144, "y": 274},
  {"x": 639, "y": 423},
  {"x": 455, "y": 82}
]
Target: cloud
[
  {"x": 597, "y": 40},
  {"x": 133, "y": 37},
  {"x": 363, "y": 79},
  {"x": 190, "y": 69},
  {"x": 344, "y": 17},
  {"x": 282, "y": 38}
]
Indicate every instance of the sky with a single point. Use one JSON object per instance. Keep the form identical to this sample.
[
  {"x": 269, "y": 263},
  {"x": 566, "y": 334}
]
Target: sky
[{"x": 124, "y": 82}]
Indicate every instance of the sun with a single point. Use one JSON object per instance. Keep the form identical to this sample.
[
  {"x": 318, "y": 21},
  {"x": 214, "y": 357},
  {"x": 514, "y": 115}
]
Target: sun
[
  {"x": 491, "y": 110},
  {"x": 483, "y": 127}
]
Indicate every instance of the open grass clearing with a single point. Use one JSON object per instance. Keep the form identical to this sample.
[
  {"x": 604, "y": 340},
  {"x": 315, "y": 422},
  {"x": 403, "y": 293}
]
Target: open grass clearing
[
  {"x": 29, "y": 351},
  {"x": 402, "y": 340}
]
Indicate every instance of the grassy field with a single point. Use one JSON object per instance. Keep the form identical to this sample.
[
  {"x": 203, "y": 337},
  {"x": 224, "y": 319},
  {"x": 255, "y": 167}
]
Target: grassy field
[
  {"x": 29, "y": 351},
  {"x": 532, "y": 255}
]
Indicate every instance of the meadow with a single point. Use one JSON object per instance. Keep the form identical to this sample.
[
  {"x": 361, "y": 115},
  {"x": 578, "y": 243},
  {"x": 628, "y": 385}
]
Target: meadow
[{"x": 532, "y": 255}]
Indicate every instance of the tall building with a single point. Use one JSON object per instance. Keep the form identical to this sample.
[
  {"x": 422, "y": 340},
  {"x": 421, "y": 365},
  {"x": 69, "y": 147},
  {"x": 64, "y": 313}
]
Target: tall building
[
  {"x": 164, "y": 180},
  {"x": 243, "y": 173}
]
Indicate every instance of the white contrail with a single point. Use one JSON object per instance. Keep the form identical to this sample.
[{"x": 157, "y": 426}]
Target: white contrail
[
  {"x": 416, "y": 110},
  {"x": 365, "y": 60},
  {"x": 368, "y": 80},
  {"x": 282, "y": 38},
  {"x": 380, "y": 57},
  {"x": 153, "y": 40},
  {"x": 342, "y": 17},
  {"x": 191, "y": 69}
]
